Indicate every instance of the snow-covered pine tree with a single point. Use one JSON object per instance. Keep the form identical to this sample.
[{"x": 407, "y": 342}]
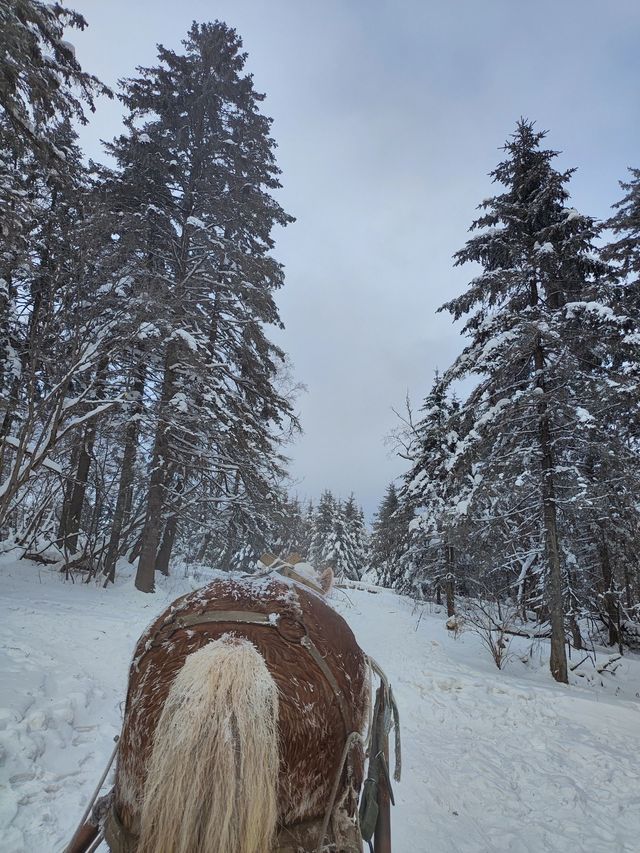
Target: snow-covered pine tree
[
  {"x": 342, "y": 548},
  {"x": 307, "y": 530},
  {"x": 429, "y": 489},
  {"x": 337, "y": 547},
  {"x": 322, "y": 528},
  {"x": 294, "y": 529},
  {"x": 617, "y": 476},
  {"x": 59, "y": 327},
  {"x": 43, "y": 90},
  {"x": 624, "y": 249},
  {"x": 357, "y": 537},
  {"x": 41, "y": 81},
  {"x": 543, "y": 383},
  {"x": 389, "y": 538},
  {"x": 290, "y": 535},
  {"x": 201, "y": 210}
]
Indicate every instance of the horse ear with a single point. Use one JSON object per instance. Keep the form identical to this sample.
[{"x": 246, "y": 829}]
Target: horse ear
[
  {"x": 326, "y": 579},
  {"x": 268, "y": 559},
  {"x": 293, "y": 559}
]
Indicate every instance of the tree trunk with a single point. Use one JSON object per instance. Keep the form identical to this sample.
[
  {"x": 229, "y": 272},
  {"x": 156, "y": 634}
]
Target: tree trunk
[
  {"x": 610, "y": 598},
  {"x": 169, "y": 535},
  {"x": 136, "y": 550},
  {"x": 7, "y": 421},
  {"x": 558, "y": 658},
  {"x": 168, "y": 538},
  {"x": 72, "y": 513},
  {"x": 156, "y": 495},
  {"x": 450, "y": 581},
  {"x": 123, "y": 501},
  {"x": 150, "y": 537},
  {"x": 578, "y": 642},
  {"x": 66, "y": 500},
  {"x": 627, "y": 586},
  {"x": 202, "y": 551}
]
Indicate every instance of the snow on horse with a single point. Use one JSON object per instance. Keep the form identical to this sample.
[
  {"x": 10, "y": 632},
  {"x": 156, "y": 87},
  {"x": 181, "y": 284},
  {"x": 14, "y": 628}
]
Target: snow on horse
[{"x": 245, "y": 708}]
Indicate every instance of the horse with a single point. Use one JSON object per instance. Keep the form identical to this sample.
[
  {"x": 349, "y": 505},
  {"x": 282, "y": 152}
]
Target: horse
[{"x": 245, "y": 710}]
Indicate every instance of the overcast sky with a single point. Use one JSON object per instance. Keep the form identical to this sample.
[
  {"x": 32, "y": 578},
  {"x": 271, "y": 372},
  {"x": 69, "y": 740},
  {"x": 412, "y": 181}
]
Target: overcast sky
[{"x": 388, "y": 117}]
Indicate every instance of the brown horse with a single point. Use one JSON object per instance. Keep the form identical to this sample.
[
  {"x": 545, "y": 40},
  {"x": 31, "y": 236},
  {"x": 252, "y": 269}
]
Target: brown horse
[{"x": 242, "y": 726}]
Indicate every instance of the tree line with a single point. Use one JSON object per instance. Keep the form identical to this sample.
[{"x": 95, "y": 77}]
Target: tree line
[
  {"x": 332, "y": 533},
  {"x": 527, "y": 488},
  {"x": 143, "y": 408}
]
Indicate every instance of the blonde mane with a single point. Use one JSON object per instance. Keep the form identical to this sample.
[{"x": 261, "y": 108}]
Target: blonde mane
[{"x": 212, "y": 777}]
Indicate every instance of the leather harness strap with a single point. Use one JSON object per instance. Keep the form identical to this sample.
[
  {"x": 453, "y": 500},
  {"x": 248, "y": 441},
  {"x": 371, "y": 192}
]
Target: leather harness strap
[
  {"x": 290, "y": 839},
  {"x": 290, "y": 629},
  {"x": 188, "y": 620},
  {"x": 308, "y": 644},
  {"x": 122, "y": 840}
]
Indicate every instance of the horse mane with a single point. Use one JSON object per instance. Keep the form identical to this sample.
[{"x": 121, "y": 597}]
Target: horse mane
[
  {"x": 294, "y": 567},
  {"x": 212, "y": 776}
]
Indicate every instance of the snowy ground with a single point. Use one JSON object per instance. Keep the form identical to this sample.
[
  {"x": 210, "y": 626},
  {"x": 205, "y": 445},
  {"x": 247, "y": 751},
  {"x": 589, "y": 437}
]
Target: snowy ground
[{"x": 507, "y": 762}]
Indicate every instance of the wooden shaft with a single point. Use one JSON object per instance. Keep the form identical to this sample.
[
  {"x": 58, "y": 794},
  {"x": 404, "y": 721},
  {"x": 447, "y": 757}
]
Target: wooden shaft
[
  {"x": 382, "y": 837},
  {"x": 82, "y": 840}
]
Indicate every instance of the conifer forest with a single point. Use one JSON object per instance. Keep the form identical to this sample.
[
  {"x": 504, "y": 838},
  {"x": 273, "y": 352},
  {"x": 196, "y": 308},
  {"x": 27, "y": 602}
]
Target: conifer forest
[
  {"x": 146, "y": 413},
  {"x": 150, "y": 410}
]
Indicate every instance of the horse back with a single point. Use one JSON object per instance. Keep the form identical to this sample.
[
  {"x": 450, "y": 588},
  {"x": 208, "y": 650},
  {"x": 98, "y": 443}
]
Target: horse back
[{"x": 320, "y": 704}]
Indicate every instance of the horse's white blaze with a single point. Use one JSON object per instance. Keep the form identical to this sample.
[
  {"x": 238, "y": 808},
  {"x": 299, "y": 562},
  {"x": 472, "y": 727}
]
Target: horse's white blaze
[{"x": 212, "y": 777}]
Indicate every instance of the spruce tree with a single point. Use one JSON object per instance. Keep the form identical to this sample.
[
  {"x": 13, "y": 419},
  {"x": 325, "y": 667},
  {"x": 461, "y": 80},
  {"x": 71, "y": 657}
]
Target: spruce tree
[
  {"x": 322, "y": 528},
  {"x": 193, "y": 186},
  {"x": 357, "y": 536},
  {"x": 429, "y": 489},
  {"x": 60, "y": 329},
  {"x": 43, "y": 90},
  {"x": 337, "y": 546},
  {"x": 624, "y": 249},
  {"x": 343, "y": 547},
  {"x": 41, "y": 81},
  {"x": 389, "y": 537},
  {"x": 541, "y": 284}
]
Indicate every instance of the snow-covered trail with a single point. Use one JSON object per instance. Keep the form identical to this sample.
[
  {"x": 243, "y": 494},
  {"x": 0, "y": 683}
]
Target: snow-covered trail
[
  {"x": 502, "y": 761},
  {"x": 492, "y": 761},
  {"x": 64, "y": 656}
]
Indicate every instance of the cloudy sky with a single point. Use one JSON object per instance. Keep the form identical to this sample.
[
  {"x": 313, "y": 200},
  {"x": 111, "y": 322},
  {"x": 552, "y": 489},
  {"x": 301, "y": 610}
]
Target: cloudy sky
[{"x": 388, "y": 116}]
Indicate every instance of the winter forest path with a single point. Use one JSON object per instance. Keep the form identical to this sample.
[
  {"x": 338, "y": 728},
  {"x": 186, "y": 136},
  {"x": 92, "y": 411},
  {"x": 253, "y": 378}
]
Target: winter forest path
[
  {"x": 492, "y": 761},
  {"x": 502, "y": 761}
]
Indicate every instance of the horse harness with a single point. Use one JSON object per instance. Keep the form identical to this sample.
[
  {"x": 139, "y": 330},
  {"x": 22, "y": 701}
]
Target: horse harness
[
  {"x": 293, "y": 630},
  {"x": 290, "y": 629}
]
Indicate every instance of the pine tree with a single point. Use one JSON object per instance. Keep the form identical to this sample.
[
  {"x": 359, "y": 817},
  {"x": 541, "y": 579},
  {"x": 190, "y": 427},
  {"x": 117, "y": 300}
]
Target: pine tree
[
  {"x": 541, "y": 333},
  {"x": 343, "y": 546},
  {"x": 624, "y": 251},
  {"x": 336, "y": 550},
  {"x": 389, "y": 539},
  {"x": 41, "y": 81},
  {"x": 59, "y": 328},
  {"x": 616, "y": 476},
  {"x": 428, "y": 488},
  {"x": 357, "y": 536},
  {"x": 308, "y": 521},
  {"x": 195, "y": 172},
  {"x": 42, "y": 90},
  {"x": 322, "y": 528}
]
